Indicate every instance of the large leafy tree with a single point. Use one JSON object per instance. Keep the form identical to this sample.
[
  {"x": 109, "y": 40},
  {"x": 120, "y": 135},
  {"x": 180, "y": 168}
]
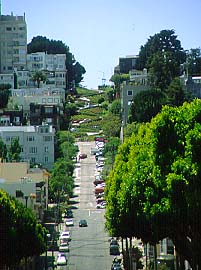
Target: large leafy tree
[
  {"x": 162, "y": 55},
  {"x": 193, "y": 62},
  {"x": 146, "y": 105},
  {"x": 20, "y": 234},
  {"x": 153, "y": 191},
  {"x": 75, "y": 70}
]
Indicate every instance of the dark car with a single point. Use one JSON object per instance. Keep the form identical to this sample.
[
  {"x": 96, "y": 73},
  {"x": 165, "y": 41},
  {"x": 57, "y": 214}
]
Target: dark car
[
  {"x": 68, "y": 213},
  {"x": 114, "y": 250},
  {"x": 83, "y": 223}
]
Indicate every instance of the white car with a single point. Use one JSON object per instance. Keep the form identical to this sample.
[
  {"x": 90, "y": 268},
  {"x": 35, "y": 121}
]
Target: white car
[
  {"x": 65, "y": 236},
  {"x": 61, "y": 259},
  {"x": 64, "y": 247},
  {"x": 69, "y": 222}
]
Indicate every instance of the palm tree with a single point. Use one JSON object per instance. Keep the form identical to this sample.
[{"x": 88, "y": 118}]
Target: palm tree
[{"x": 39, "y": 76}]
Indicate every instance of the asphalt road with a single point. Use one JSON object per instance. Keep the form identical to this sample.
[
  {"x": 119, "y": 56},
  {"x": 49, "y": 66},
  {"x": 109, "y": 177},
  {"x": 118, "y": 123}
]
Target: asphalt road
[{"x": 89, "y": 248}]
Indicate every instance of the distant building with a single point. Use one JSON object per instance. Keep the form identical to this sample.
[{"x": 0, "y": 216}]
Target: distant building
[
  {"x": 37, "y": 143},
  {"x": 13, "y": 43},
  {"x": 126, "y": 64},
  {"x": 29, "y": 186},
  {"x": 138, "y": 83}
]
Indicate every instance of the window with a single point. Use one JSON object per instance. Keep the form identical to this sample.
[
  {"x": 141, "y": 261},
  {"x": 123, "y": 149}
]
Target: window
[
  {"x": 129, "y": 92},
  {"x": 46, "y": 149},
  {"x": 7, "y": 139},
  {"x": 47, "y": 138},
  {"x": 46, "y": 159},
  {"x": 8, "y": 29},
  {"x": 33, "y": 150},
  {"x": 30, "y": 139},
  {"x": 33, "y": 159}
]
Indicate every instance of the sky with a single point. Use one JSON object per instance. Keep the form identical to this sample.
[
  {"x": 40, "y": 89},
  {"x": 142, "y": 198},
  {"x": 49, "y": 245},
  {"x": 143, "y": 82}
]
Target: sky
[{"x": 98, "y": 32}]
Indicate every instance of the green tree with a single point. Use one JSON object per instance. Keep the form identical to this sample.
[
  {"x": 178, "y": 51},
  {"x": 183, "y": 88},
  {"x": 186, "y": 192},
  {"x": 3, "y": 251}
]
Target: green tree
[
  {"x": 155, "y": 183},
  {"x": 15, "y": 150},
  {"x": 3, "y": 150},
  {"x": 162, "y": 55},
  {"x": 108, "y": 129},
  {"x": 75, "y": 70},
  {"x": 5, "y": 93},
  {"x": 115, "y": 107},
  {"x": 117, "y": 79},
  {"x": 193, "y": 62},
  {"x": 146, "y": 105},
  {"x": 38, "y": 77},
  {"x": 17, "y": 228},
  {"x": 176, "y": 94}
]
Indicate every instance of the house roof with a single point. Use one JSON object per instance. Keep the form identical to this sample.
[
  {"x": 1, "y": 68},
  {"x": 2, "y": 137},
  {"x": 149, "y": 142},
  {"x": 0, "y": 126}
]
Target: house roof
[{"x": 15, "y": 171}]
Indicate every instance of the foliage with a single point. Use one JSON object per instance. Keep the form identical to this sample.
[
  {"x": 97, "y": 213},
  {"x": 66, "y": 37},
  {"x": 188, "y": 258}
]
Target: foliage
[
  {"x": 14, "y": 150},
  {"x": 176, "y": 94},
  {"x": 117, "y": 79},
  {"x": 17, "y": 228},
  {"x": 38, "y": 77},
  {"x": 61, "y": 179},
  {"x": 3, "y": 150},
  {"x": 153, "y": 191},
  {"x": 193, "y": 62},
  {"x": 115, "y": 107},
  {"x": 108, "y": 129},
  {"x": 5, "y": 93},
  {"x": 146, "y": 105},
  {"x": 74, "y": 68},
  {"x": 162, "y": 55}
]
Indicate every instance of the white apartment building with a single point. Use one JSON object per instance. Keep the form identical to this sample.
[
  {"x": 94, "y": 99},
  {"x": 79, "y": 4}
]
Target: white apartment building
[{"x": 37, "y": 142}]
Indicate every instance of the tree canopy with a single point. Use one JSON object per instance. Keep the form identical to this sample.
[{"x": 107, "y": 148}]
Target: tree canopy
[
  {"x": 18, "y": 227},
  {"x": 162, "y": 55},
  {"x": 154, "y": 190},
  {"x": 75, "y": 70}
]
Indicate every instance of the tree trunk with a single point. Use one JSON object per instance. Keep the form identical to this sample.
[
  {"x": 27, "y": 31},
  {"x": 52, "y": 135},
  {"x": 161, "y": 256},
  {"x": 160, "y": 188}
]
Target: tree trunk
[{"x": 155, "y": 258}]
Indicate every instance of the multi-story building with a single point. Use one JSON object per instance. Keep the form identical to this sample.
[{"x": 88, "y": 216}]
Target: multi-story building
[
  {"x": 53, "y": 65},
  {"x": 13, "y": 43},
  {"x": 127, "y": 93},
  {"x": 126, "y": 64},
  {"x": 37, "y": 143},
  {"x": 28, "y": 185}
]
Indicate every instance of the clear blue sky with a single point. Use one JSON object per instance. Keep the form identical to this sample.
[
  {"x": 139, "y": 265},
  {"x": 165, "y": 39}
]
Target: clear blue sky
[{"x": 98, "y": 32}]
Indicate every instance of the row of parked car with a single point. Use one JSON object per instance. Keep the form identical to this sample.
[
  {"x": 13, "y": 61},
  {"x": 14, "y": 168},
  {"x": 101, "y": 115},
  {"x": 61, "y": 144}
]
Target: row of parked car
[
  {"x": 65, "y": 237},
  {"x": 99, "y": 183}
]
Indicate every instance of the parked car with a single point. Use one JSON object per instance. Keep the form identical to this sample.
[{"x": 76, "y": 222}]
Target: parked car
[
  {"x": 114, "y": 241},
  {"x": 61, "y": 259},
  {"x": 98, "y": 189},
  {"x": 65, "y": 236},
  {"x": 68, "y": 213},
  {"x": 114, "y": 250},
  {"x": 69, "y": 222},
  {"x": 100, "y": 206},
  {"x": 82, "y": 156},
  {"x": 64, "y": 247},
  {"x": 83, "y": 223}
]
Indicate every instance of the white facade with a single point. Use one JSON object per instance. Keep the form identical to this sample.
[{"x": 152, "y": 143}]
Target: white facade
[
  {"x": 38, "y": 92},
  {"x": 37, "y": 142},
  {"x": 43, "y": 61}
]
